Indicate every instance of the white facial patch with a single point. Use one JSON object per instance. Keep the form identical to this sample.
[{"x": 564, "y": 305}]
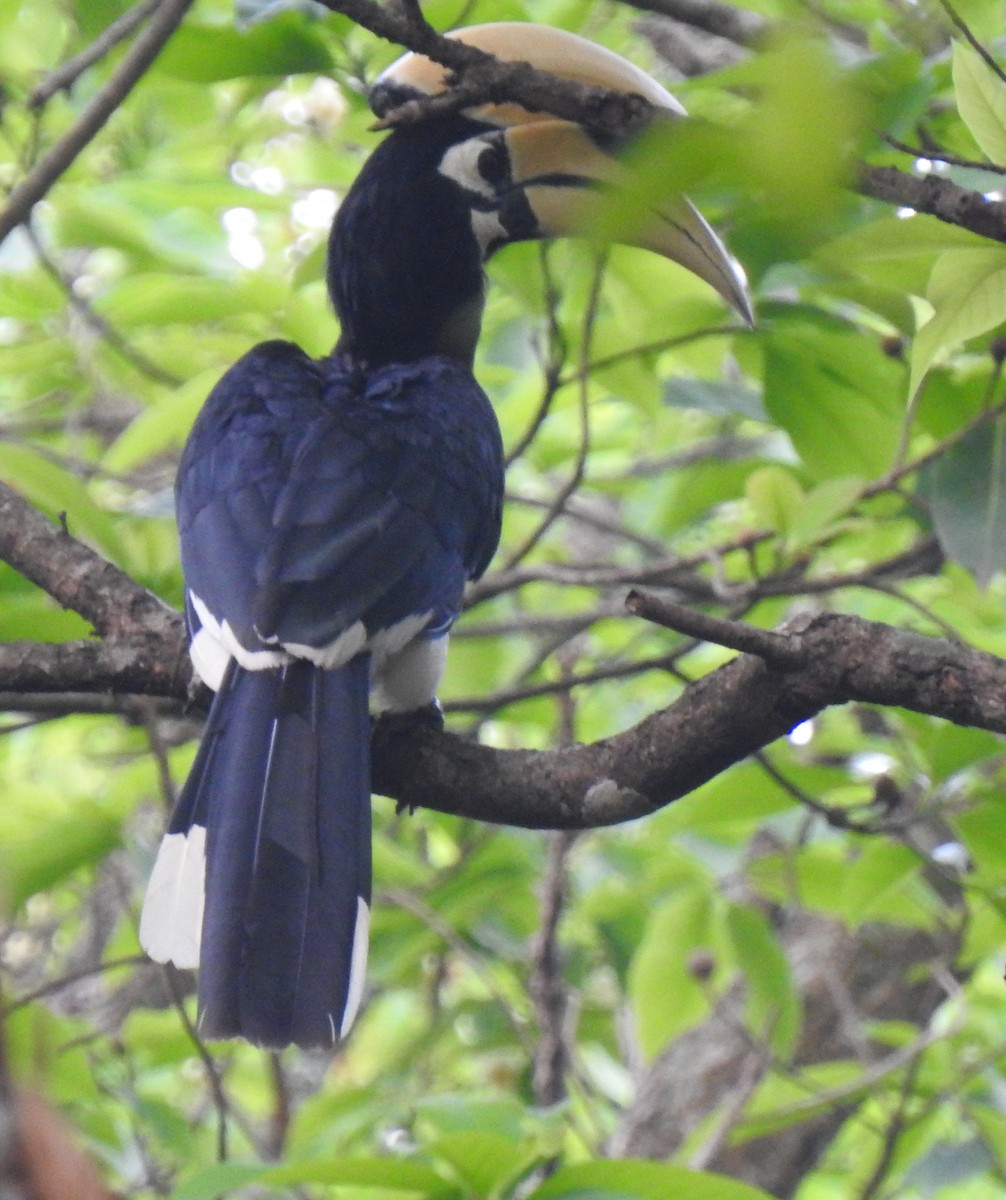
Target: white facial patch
[
  {"x": 466, "y": 164},
  {"x": 489, "y": 231},
  {"x": 461, "y": 164}
]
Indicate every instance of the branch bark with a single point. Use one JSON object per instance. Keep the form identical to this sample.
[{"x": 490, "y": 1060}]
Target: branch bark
[
  {"x": 724, "y": 20},
  {"x": 483, "y": 79},
  {"x": 66, "y": 74},
  {"x": 938, "y": 197},
  {"x": 78, "y": 578},
  {"x": 716, "y": 722}
]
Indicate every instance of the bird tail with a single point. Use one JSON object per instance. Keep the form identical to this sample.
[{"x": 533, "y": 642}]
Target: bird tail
[{"x": 279, "y": 800}]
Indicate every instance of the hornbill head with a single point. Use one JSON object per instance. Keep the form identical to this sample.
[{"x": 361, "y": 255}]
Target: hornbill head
[
  {"x": 438, "y": 197},
  {"x": 531, "y": 175}
]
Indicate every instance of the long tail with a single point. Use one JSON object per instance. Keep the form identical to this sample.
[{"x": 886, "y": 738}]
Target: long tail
[{"x": 279, "y": 797}]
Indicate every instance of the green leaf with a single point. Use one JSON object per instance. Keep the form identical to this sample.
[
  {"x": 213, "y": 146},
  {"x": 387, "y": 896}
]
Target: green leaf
[
  {"x": 775, "y": 496},
  {"x": 879, "y": 872},
  {"x": 840, "y": 400},
  {"x": 631, "y": 1179},
  {"x": 967, "y": 290},
  {"x": 390, "y": 1175},
  {"x": 981, "y": 101},
  {"x": 482, "y": 1160},
  {"x": 218, "y": 1180},
  {"x": 783, "y": 1100},
  {"x": 893, "y": 259},
  {"x": 163, "y": 426},
  {"x": 55, "y": 491},
  {"x": 666, "y": 996},
  {"x": 992, "y": 1126},
  {"x": 737, "y": 799},
  {"x": 210, "y": 53},
  {"x": 721, "y": 399},
  {"x": 821, "y": 508},
  {"x": 50, "y": 849},
  {"x": 966, "y": 490},
  {"x": 773, "y": 1004},
  {"x": 162, "y": 299}
]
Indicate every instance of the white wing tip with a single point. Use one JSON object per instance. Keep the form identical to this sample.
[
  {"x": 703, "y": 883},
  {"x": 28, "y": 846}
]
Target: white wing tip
[
  {"x": 357, "y": 966},
  {"x": 172, "y": 917}
]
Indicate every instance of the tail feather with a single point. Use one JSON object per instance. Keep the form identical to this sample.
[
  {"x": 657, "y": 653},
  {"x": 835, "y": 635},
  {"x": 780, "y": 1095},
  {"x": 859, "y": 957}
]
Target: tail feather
[{"x": 285, "y": 788}]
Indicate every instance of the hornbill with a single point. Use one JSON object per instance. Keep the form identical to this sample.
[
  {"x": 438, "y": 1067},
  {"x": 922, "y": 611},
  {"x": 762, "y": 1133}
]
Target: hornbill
[{"x": 331, "y": 511}]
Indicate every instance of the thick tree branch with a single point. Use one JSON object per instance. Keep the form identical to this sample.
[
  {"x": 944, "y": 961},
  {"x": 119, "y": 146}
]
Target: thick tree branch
[
  {"x": 717, "y": 721},
  {"x": 148, "y": 665}
]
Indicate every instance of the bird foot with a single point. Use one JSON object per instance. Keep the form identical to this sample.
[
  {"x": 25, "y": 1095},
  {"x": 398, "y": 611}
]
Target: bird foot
[
  {"x": 390, "y": 724},
  {"x": 430, "y": 716}
]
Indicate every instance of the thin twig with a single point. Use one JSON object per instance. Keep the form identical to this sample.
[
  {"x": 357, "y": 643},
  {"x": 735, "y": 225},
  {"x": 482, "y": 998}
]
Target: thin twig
[
  {"x": 515, "y": 695},
  {"x": 895, "y": 1128},
  {"x": 66, "y": 74},
  {"x": 554, "y": 360},
  {"x": 972, "y": 41},
  {"x": 148, "y": 44},
  {"x": 583, "y": 447},
  {"x": 423, "y": 912},
  {"x": 55, "y": 986},
  {"x": 98, "y": 323},
  {"x": 220, "y": 1100},
  {"x": 546, "y": 985},
  {"x": 934, "y": 155},
  {"x": 776, "y": 649}
]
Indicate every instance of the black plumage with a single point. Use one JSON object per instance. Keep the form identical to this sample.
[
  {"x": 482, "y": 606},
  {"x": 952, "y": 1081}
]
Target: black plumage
[
  {"x": 325, "y": 505},
  {"x": 330, "y": 513}
]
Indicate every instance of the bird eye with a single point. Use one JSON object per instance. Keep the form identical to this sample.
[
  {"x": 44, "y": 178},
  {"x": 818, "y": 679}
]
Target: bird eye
[{"x": 494, "y": 163}]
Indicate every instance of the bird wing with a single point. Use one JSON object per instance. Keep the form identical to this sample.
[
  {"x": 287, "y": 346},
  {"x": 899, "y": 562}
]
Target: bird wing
[{"x": 320, "y": 504}]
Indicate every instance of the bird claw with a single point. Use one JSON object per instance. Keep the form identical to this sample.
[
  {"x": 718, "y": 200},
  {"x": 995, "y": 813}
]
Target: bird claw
[{"x": 429, "y": 717}]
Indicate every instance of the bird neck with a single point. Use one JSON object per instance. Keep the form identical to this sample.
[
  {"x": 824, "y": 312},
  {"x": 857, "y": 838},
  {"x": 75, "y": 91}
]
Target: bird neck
[{"x": 404, "y": 267}]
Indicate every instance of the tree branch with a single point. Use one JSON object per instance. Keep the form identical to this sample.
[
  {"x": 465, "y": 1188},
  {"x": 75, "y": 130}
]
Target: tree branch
[
  {"x": 146, "y": 665},
  {"x": 711, "y": 16},
  {"x": 67, "y": 73},
  {"x": 938, "y": 197},
  {"x": 715, "y": 723},
  {"x": 47, "y": 170},
  {"x": 79, "y": 578},
  {"x": 483, "y": 79}
]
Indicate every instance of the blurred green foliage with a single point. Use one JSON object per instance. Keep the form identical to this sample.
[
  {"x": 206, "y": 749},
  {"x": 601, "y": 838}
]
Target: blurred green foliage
[{"x": 772, "y": 461}]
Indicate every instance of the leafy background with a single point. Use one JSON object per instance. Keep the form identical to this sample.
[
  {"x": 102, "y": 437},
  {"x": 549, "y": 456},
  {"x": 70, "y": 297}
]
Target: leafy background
[{"x": 847, "y": 453}]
